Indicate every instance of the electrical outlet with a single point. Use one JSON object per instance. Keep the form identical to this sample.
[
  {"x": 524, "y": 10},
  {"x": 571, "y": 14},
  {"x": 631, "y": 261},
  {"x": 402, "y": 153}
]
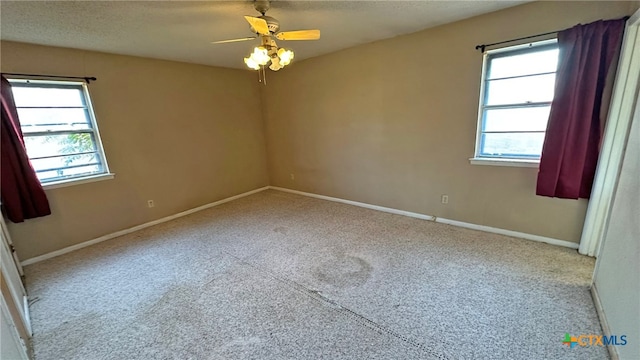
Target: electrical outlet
[
  {"x": 150, "y": 203},
  {"x": 445, "y": 199},
  {"x": 293, "y": 177}
]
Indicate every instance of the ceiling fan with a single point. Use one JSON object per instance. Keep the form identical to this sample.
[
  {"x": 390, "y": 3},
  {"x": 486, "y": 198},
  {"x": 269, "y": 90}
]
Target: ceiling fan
[{"x": 266, "y": 28}]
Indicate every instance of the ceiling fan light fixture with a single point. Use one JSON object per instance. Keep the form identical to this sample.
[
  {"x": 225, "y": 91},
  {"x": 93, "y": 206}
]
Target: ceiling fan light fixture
[
  {"x": 285, "y": 56},
  {"x": 260, "y": 55},
  {"x": 252, "y": 64}
]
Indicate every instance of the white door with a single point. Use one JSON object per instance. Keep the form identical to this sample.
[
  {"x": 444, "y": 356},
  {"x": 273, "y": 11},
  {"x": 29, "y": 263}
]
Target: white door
[
  {"x": 15, "y": 309},
  {"x": 12, "y": 347}
]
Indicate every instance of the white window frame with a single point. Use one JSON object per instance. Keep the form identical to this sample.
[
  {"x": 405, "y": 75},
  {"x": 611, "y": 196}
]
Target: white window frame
[
  {"x": 479, "y": 159},
  {"x": 81, "y": 179}
]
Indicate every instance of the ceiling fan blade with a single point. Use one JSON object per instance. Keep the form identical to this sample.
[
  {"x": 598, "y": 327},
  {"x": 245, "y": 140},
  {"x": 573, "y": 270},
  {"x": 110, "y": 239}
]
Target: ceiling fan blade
[
  {"x": 299, "y": 35},
  {"x": 233, "y": 40},
  {"x": 259, "y": 25}
]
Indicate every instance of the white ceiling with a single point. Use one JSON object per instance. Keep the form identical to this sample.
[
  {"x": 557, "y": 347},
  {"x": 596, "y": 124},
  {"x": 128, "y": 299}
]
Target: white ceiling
[{"x": 183, "y": 30}]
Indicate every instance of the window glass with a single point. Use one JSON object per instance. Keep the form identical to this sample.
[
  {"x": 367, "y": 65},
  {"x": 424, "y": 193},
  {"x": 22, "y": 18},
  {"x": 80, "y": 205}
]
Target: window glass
[
  {"x": 59, "y": 129},
  {"x": 517, "y": 91}
]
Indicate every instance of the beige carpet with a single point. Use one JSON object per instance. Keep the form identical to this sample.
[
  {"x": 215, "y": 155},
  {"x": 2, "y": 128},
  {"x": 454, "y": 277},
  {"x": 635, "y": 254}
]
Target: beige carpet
[{"x": 281, "y": 276}]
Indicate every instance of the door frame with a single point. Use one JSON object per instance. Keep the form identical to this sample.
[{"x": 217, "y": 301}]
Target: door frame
[
  {"x": 10, "y": 337},
  {"x": 14, "y": 294},
  {"x": 621, "y": 111}
]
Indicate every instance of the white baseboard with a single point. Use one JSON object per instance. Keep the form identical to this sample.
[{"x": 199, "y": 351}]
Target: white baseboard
[
  {"x": 356, "y": 203},
  {"x": 606, "y": 330},
  {"x": 323, "y": 197},
  {"x": 489, "y": 229},
  {"x": 136, "y": 228},
  {"x": 512, "y": 233}
]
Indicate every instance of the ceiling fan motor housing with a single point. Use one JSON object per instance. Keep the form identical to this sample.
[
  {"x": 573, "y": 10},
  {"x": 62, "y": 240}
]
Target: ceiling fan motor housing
[
  {"x": 262, "y": 5},
  {"x": 272, "y": 23}
]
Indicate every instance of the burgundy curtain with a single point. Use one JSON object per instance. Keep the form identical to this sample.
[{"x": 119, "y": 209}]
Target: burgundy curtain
[
  {"x": 587, "y": 66},
  {"x": 22, "y": 194}
]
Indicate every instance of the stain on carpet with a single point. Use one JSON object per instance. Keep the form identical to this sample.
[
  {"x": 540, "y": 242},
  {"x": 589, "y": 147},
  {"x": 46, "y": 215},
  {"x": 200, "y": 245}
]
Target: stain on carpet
[
  {"x": 281, "y": 230},
  {"x": 344, "y": 271}
]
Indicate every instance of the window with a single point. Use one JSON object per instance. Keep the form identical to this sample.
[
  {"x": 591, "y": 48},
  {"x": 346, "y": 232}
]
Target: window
[
  {"x": 517, "y": 90},
  {"x": 59, "y": 129}
]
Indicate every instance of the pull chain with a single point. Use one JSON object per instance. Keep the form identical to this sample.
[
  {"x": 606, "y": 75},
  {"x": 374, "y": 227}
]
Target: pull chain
[{"x": 264, "y": 75}]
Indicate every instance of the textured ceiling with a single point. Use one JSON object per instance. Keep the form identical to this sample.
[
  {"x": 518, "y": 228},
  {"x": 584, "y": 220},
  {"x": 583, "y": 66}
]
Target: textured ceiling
[{"x": 183, "y": 30}]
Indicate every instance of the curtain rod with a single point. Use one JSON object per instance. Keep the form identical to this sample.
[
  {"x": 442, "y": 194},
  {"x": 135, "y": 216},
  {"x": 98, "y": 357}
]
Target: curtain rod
[
  {"x": 483, "y": 46},
  {"x": 85, "y": 78}
]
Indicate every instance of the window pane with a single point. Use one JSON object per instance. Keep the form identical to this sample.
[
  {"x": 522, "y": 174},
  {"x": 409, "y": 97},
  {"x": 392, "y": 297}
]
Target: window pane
[
  {"x": 54, "y": 175},
  {"x": 53, "y": 119},
  {"x": 521, "y": 90},
  {"x": 512, "y": 144},
  {"x": 59, "y": 129},
  {"x": 44, "y": 96},
  {"x": 517, "y": 119},
  {"x": 524, "y": 64},
  {"x": 57, "y": 164},
  {"x": 52, "y": 145}
]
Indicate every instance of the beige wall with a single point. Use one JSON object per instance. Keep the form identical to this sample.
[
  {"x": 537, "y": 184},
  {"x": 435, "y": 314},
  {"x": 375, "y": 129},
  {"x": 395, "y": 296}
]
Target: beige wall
[
  {"x": 183, "y": 135},
  {"x": 393, "y": 123}
]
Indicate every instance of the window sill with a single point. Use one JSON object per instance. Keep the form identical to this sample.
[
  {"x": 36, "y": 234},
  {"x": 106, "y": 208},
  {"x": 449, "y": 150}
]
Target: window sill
[
  {"x": 78, "y": 181},
  {"x": 505, "y": 162}
]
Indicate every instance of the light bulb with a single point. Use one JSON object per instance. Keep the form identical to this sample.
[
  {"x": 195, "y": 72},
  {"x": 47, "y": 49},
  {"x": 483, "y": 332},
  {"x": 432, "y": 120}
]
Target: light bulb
[
  {"x": 285, "y": 56},
  {"x": 260, "y": 55},
  {"x": 251, "y": 63}
]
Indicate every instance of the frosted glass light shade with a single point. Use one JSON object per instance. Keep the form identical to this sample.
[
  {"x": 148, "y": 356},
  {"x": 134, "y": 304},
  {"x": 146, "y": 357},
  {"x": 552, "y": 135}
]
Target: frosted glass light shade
[{"x": 251, "y": 63}]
